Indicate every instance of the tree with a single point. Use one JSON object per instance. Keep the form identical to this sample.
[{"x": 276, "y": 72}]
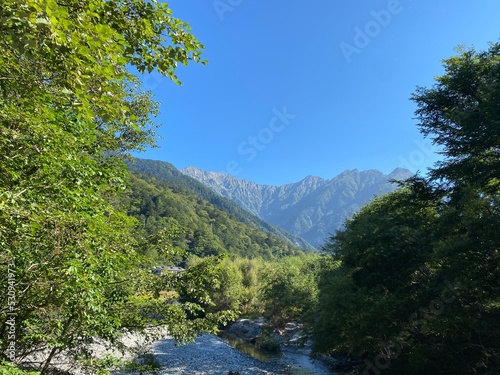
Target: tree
[
  {"x": 289, "y": 288},
  {"x": 70, "y": 111},
  {"x": 416, "y": 290},
  {"x": 386, "y": 243},
  {"x": 379, "y": 275},
  {"x": 461, "y": 113}
]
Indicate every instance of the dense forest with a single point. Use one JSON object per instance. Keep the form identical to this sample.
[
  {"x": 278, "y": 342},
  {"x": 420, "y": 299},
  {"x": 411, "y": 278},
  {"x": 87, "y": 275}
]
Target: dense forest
[
  {"x": 413, "y": 287},
  {"x": 202, "y": 228},
  {"x": 409, "y": 286},
  {"x": 167, "y": 172}
]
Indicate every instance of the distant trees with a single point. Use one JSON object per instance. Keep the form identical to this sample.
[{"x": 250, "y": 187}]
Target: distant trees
[
  {"x": 282, "y": 290},
  {"x": 179, "y": 183},
  {"x": 289, "y": 289},
  {"x": 413, "y": 284}
]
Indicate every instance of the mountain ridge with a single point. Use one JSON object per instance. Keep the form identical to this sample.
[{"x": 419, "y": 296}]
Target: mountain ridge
[
  {"x": 165, "y": 171},
  {"x": 312, "y": 208}
]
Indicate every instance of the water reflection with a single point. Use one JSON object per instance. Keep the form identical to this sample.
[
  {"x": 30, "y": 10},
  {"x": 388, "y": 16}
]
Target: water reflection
[
  {"x": 295, "y": 361},
  {"x": 249, "y": 349}
]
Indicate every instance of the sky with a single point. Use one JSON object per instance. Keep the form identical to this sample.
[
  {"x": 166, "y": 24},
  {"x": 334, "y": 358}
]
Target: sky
[{"x": 296, "y": 88}]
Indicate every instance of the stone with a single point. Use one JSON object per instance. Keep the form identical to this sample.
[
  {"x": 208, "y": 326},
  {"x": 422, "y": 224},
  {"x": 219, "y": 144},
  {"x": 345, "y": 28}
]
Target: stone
[{"x": 245, "y": 329}]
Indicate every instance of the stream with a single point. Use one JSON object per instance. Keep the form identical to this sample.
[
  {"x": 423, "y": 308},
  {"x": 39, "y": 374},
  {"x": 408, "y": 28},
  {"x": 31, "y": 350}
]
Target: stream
[{"x": 297, "y": 360}]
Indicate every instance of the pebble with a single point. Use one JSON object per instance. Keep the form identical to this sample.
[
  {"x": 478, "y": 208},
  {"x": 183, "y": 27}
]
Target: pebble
[{"x": 208, "y": 355}]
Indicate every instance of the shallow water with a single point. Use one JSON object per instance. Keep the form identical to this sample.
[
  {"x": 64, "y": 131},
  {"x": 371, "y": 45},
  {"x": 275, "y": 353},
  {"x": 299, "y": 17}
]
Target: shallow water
[
  {"x": 297, "y": 361},
  {"x": 301, "y": 364},
  {"x": 249, "y": 349}
]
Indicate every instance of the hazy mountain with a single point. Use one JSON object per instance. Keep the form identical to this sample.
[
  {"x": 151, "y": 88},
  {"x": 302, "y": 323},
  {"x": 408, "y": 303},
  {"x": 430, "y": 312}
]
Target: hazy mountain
[
  {"x": 312, "y": 208},
  {"x": 179, "y": 182}
]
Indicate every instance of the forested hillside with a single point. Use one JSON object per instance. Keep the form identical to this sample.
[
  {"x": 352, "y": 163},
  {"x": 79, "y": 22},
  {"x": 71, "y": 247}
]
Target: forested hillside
[
  {"x": 178, "y": 181},
  {"x": 203, "y": 229}
]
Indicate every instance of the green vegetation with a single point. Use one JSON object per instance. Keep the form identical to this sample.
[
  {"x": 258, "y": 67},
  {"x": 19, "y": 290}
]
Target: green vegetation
[
  {"x": 290, "y": 288},
  {"x": 203, "y": 229},
  {"x": 413, "y": 284},
  {"x": 282, "y": 290},
  {"x": 267, "y": 343},
  {"x": 69, "y": 112},
  {"x": 177, "y": 181}
]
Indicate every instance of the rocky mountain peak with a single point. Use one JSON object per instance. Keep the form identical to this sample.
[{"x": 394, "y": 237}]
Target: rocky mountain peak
[{"x": 311, "y": 208}]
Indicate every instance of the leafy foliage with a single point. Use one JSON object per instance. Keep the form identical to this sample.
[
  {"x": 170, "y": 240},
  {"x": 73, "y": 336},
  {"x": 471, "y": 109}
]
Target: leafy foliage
[
  {"x": 289, "y": 288},
  {"x": 379, "y": 276},
  {"x": 461, "y": 113},
  {"x": 69, "y": 112},
  {"x": 413, "y": 284}
]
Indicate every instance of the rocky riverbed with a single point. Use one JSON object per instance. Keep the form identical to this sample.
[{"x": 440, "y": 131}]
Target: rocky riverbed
[
  {"x": 211, "y": 355},
  {"x": 208, "y": 355}
]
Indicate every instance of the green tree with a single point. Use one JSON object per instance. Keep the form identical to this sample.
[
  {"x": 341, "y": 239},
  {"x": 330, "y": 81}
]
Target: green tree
[
  {"x": 379, "y": 276},
  {"x": 289, "y": 288},
  {"x": 240, "y": 286},
  {"x": 416, "y": 287},
  {"x": 69, "y": 112},
  {"x": 461, "y": 114},
  {"x": 386, "y": 243}
]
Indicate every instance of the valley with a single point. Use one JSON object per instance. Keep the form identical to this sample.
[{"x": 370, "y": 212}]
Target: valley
[{"x": 313, "y": 208}]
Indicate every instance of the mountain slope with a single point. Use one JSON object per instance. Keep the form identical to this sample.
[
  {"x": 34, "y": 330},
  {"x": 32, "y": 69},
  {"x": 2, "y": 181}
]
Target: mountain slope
[
  {"x": 177, "y": 181},
  {"x": 200, "y": 227},
  {"x": 312, "y": 208}
]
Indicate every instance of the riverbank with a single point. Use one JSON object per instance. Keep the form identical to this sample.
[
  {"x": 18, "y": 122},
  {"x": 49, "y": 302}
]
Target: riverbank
[
  {"x": 208, "y": 355},
  {"x": 211, "y": 355}
]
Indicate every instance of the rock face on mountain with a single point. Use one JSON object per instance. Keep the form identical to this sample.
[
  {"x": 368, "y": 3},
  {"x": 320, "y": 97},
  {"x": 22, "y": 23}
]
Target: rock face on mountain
[{"x": 313, "y": 208}]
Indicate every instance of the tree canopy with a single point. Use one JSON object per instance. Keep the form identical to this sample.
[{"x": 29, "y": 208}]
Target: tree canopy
[
  {"x": 413, "y": 284},
  {"x": 70, "y": 110},
  {"x": 461, "y": 113}
]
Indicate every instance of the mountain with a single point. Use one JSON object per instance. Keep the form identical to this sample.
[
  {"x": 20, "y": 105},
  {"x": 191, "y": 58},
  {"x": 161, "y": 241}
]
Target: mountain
[
  {"x": 179, "y": 182},
  {"x": 195, "y": 225},
  {"x": 313, "y": 208}
]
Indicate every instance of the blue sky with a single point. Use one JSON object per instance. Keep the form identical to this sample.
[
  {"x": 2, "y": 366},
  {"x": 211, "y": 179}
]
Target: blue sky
[{"x": 310, "y": 88}]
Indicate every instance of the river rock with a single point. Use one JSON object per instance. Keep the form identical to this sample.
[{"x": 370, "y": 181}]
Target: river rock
[
  {"x": 292, "y": 334},
  {"x": 245, "y": 329}
]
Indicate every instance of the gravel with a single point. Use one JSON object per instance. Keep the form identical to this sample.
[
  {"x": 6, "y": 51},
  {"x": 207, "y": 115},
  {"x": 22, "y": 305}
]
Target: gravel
[
  {"x": 211, "y": 355},
  {"x": 208, "y": 355}
]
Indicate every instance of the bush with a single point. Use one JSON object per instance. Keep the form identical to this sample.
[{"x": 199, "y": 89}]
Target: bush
[{"x": 267, "y": 343}]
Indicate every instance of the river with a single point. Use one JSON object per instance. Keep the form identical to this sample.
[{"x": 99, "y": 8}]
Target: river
[
  {"x": 297, "y": 360},
  {"x": 212, "y": 355}
]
